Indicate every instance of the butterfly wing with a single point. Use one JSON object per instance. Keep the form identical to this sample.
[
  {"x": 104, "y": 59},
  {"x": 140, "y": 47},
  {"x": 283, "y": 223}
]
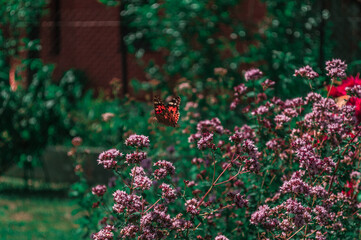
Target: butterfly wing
[
  {"x": 160, "y": 110},
  {"x": 173, "y": 111},
  {"x": 167, "y": 115}
]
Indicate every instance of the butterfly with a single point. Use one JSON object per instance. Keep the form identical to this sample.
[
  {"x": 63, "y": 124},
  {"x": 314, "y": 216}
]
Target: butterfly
[{"x": 167, "y": 114}]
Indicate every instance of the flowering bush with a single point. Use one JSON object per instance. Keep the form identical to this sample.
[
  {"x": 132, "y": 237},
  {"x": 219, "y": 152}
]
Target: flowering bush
[{"x": 284, "y": 169}]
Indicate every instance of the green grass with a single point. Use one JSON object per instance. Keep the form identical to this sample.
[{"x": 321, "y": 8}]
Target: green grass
[
  {"x": 36, "y": 218},
  {"x": 36, "y": 214}
]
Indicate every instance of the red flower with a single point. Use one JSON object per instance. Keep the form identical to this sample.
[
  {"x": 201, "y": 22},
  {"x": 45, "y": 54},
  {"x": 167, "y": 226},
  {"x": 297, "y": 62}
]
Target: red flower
[
  {"x": 341, "y": 89},
  {"x": 349, "y": 185}
]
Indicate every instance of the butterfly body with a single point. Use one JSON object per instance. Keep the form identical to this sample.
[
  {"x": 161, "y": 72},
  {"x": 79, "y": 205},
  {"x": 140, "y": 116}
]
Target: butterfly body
[{"x": 167, "y": 114}]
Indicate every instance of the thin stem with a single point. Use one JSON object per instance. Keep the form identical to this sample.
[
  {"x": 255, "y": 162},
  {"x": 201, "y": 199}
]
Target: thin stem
[
  {"x": 296, "y": 232},
  {"x": 231, "y": 178},
  {"x": 213, "y": 184},
  {"x": 152, "y": 205},
  {"x": 309, "y": 83}
]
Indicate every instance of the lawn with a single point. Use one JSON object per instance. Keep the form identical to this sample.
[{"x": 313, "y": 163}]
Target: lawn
[{"x": 32, "y": 215}]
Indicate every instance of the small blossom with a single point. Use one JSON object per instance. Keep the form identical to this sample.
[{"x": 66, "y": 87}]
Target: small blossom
[
  {"x": 99, "y": 190},
  {"x": 192, "y": 206},
  {"x": 129, "y": 231},
  {"x": 220, "y": 71},
  {"x": 306, "y": 72},
  {"x": 197, "y": 161},
  {"x": 274, "y": 144},
  {"x": 168, "y": 193},
  {"x": 336, "y": 68},
  {"x": 165, "y": 168},
  {"x": 137, "y": 171},
  {"x": 267, "y": 83},
  {"x": 132, "y": 202},
  {"x": 313, "y": 97},
  {"x": 355, "y": 175},
  {"x": 239, "y": 200},
  {"x": 180, "y": 224},
  {"x": 262, "y": 216},
  {"x": 107, "y": 116},
  {"x": 104, "y": 234},
  {"x": 206, "y": 141},
  {"x": 137, "y": 141},
  {"x": 221, "y": 237},
  {"x": 253, "y": 74},
  {"x": 142, "y": 182},
  {"x": 77, "y": 141},
  {"x": 281, "y": 119},
  {"x": 135, "y": 157},
  {"x": 107, "y": 158}
]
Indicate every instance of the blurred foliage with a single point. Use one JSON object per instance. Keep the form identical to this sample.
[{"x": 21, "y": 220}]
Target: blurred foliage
[
  {"x": 298, "y": 33},
  {"x": 33, "y": 117},
  {"x": 36, "y": 113},
  {"x": 18, "y": 19},
  {"x": 192, "y": 38}
]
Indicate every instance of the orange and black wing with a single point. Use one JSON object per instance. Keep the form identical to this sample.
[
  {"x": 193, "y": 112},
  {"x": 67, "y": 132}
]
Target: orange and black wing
[
  {"x": 167, "y": 115},
  {"x": 173, "y": 111}
]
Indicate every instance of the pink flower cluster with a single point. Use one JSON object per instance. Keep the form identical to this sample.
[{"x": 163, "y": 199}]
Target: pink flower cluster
[
  {"x": 140, "y": 180},
  {"x": 239, "y": 92},
  {"x": 99, "y": 190},
  {"x": 123, "y": 201},
  {"x": 139, "y": 141},
  {"x": 104, "y": 234},
  {"x": 168, "y": 193},
  {"x": 306, "y": 72},
  {"x": 336, "y": 68},
  {"x": 165, "y": 168},
  {"x": 135, "y": 158},
  {"x": 253, "y": 74},
  {"x": 108, "y": 158}
]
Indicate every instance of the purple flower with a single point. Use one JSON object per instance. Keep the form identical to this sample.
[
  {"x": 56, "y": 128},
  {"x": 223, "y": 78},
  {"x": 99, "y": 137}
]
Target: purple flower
[
  {"x": 158, "y": 216},
  {"x": 99, "y": 190},
  {"x": 354, "y": 91},
  {"x": 281, "y": 119},
  {"x": 295, "y": 185},
  {"x": 168, "y": 193},
  {"x": 253, "y": 74},
  {"x": 105, "y": 233},
  {"x": 300, "y": 214},
  {"x": 122, "y": 200},
  {"x": 336, "y": 68},
  {"x": 274, "y": 144},
  {"x": 221, "y": 237},
  {"x": 165, "y": 168},
  {"x": 142, "y": 182},
  {"x": 240, "y": 200},
  {"x": 262, "y": 216},
  {"x": 137, "y": 141},
  {"x": 267, "y": 83},
  {"x": 180, "y": 224},
  {"x": 135, "y": 157},
  {"x": 107, "y": 158},
  {"x": 322, "y": 215},
  {"x": 192, "y": 206},
  {"x": 213, "y": 125},
  {"x": 206, "y": 141},
  {"x": 313, "y": 97},
  {"x": 307, "y": 72},
  {"x": 239, "y": 92},
  {"x": 129, "y": 231}
]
